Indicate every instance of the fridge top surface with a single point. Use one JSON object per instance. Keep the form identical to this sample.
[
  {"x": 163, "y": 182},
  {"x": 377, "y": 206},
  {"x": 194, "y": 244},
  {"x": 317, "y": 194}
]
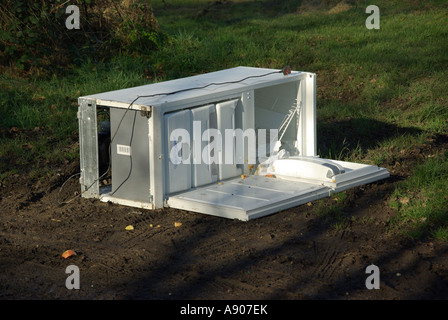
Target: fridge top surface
[{"x": 192, "y": 88}]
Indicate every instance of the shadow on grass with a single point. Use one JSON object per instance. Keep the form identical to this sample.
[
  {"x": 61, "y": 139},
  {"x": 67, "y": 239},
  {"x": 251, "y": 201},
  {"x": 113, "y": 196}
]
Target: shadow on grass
[
  {"x": 223, "y": 12},
  {"x": 338, "y": 139}
]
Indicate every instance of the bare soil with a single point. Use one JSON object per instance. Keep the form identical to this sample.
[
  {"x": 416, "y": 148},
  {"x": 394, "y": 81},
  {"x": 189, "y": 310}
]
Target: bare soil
[{"x": 295, "y": 254}]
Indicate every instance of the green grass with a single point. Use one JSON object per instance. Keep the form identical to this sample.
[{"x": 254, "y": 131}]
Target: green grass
[
  {"x": 39, "y": 117},
  {"x": 422, "y": 200},
  {"x": 380, "y": 92}
]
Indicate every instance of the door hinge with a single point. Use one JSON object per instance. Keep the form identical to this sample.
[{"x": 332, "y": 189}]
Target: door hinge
[{"x": 145, "y": 112}]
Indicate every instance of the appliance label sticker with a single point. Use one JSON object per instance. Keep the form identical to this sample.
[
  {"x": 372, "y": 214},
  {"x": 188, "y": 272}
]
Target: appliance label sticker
[{"x": 124, "y": 150}]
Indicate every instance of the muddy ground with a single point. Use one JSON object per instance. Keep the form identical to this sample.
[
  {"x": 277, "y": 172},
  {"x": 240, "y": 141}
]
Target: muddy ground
[{"x": 294, "y": 254}]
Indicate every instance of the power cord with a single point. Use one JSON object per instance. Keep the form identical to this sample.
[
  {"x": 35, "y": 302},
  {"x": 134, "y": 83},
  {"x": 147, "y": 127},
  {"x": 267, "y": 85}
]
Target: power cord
[{"x": 60, "y": 189}]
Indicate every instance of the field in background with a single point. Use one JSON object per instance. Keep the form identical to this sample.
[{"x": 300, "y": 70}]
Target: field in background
[{"x": 382, "y": 94}]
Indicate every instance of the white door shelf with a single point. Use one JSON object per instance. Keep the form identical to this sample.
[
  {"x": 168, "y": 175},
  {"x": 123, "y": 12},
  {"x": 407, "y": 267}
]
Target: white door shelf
[{"x": 337, "y": 175}]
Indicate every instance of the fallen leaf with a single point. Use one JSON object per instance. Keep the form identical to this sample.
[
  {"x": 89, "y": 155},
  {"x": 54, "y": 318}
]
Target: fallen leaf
[
  {"x": 38, "y": 97},
  {"x": 177, "y": 224},
  {"x": 13, "y": 130},
  {"x": 68, "y": 253},
  {"x": 130, "y": 227}
]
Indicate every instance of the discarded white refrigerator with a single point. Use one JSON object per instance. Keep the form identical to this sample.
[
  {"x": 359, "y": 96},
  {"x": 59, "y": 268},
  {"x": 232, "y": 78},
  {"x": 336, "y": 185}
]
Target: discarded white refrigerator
[{"x": 238, "y": 143}]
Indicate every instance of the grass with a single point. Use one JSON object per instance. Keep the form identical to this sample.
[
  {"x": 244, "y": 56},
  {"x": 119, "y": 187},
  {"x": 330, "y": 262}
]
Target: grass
[
  {"x": 380, "y": 92},
  {"x": 39, "y": 116},
  {"x": 422, "y": 201}
]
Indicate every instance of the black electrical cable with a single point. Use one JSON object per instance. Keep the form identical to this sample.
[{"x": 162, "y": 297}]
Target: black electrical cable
[
  {"x": 284, "y": 71},
  {"x": 130, "y": 157}
]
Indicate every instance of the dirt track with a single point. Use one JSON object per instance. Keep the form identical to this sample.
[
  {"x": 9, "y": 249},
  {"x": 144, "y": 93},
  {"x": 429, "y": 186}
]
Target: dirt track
[{"x": 294, "y": 254}]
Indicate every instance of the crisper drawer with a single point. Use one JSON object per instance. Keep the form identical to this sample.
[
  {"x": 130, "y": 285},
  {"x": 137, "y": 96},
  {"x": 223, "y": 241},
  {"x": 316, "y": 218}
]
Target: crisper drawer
[
  {"x": 178, "y": 160},
  {"x": 203, "y": 170}
]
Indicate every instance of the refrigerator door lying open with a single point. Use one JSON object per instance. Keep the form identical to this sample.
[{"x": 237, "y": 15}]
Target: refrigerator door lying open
[{"x": 291, "y": 182}]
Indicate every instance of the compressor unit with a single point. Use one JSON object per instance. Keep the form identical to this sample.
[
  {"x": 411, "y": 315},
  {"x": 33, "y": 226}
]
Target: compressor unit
[{"x": 238, "y": 143}]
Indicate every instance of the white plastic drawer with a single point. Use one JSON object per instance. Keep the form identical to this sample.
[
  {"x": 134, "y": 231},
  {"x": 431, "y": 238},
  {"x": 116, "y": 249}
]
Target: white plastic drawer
[{"x": 178, "y": 155}]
